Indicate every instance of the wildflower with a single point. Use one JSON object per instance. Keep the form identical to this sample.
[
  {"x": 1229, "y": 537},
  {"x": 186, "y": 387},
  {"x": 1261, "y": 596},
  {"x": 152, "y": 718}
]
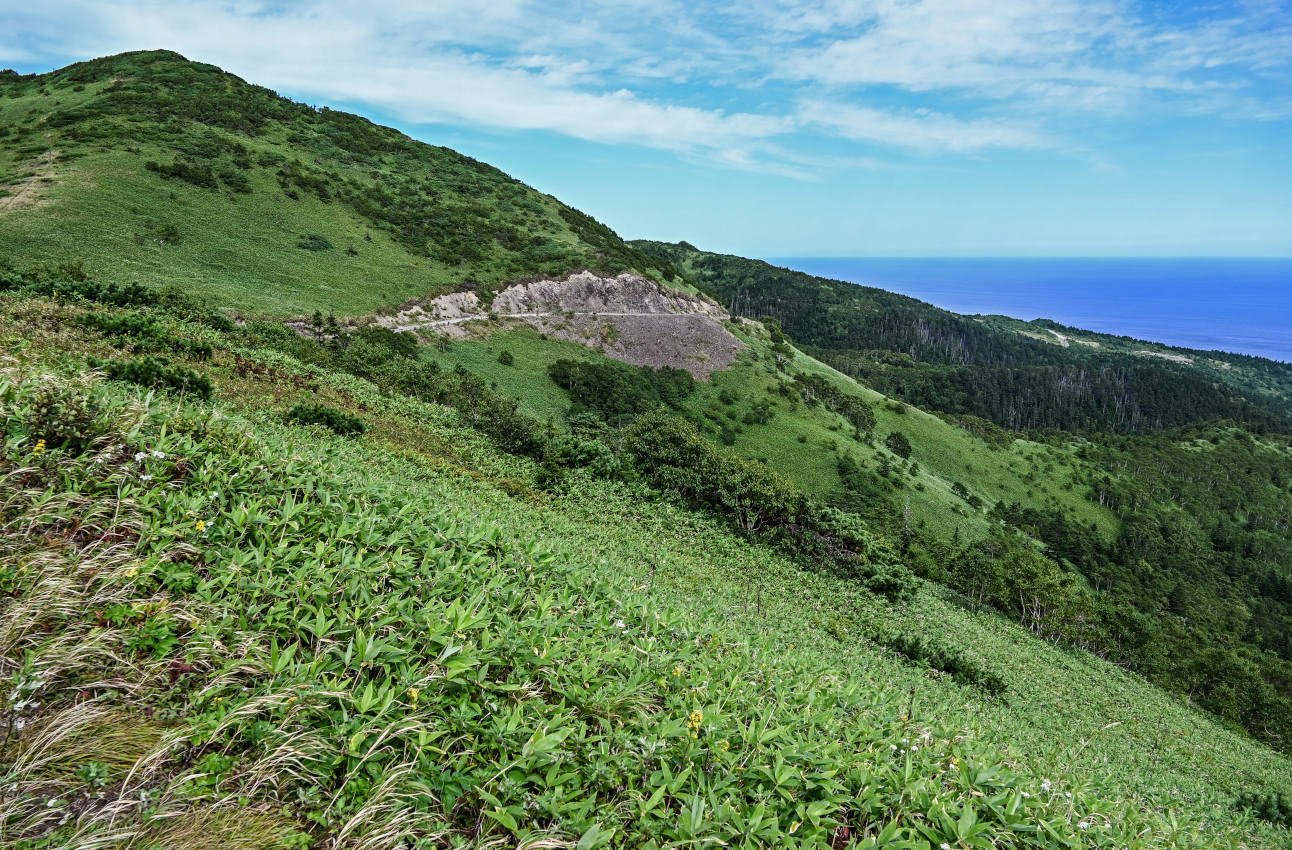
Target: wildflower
[
  {"x": 915, "y": 749},
  {"x": 131, "y": 572},
  {"x": 159, "y": 455},
  {"x": 201, "y": 525},
  {"x": 413, "y": 694},
  {"x": 693, "y": 722},
  {"x": 140, "y": 455},
  {"x": 620, "y": 624},
  {"x": 145, "y": 477},
  {"x": 726, "y": 745},
  {"x": 1045, "y": 785},
  {"x": 39, "y": 448},
  {"x": 677, "y": 671},
  {"x": 944, "y": 846},
  {"x": 1085, "y": 824}
]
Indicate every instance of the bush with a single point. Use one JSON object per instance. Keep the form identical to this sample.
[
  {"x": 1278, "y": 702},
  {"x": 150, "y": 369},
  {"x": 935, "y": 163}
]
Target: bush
[
  {"x": 1275, "y": 808},
  {"x": 955, "y": 664},
  {"x": 314, "y": 242},
  {"x": 506, "y": 358},
  {"x": 154, "y": 373},
  {"x": 898, "y": 444},
  {"x": 617, "y": 389},
  {"x": 338, "y": 421}
]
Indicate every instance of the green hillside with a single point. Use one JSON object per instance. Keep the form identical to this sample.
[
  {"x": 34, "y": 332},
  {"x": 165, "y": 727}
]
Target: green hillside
[
  {"x": 223, "y": 629},
  {"x": 876, "y": 582},
  {"x": 148, "y": 167}
]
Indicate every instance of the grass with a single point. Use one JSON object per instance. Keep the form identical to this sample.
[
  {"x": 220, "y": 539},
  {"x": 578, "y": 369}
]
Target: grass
[
  {"x": 401, "y": 637},
  {"x": 801, "y": 441},
  {"x": 404, "y": 220}
]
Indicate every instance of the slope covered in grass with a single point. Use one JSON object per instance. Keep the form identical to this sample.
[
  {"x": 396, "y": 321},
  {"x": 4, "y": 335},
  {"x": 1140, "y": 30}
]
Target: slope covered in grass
[
  {"x": 221, "y": 628},
  {"x": 148, "y": 167}
]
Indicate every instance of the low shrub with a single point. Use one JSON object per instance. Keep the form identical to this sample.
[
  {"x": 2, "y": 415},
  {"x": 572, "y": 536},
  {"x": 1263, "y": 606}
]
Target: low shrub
[
  {"x": 156, "y": 373},
  {"x": 955, "y": 664},
  {"x": 1275, "y": 807},
  {"x": 338, "y": 421}
]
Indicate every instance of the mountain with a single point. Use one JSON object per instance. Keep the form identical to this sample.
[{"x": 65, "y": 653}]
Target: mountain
[
  {"x": 501, "y": 530},
  {"x": 172, "y": 172}
]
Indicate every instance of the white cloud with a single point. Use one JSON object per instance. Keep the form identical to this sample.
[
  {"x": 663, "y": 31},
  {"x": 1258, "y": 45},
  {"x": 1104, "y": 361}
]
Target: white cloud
[
  {"x": 767, "y": 85},
  {"x": 924, "y": 130}
]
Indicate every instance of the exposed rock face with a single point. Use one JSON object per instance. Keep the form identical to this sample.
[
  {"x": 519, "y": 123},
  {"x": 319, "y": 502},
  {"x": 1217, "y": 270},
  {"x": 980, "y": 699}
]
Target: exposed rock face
[
  {"x": 585, "y": 292},
  {"x": 628, "y": 317}
]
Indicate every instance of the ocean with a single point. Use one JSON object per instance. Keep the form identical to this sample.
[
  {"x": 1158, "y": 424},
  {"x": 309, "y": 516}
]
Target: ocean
[{"x": 1239, "y": 305}]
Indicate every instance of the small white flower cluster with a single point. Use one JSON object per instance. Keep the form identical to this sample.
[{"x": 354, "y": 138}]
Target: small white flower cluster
[
  {"x": 143, "y": 456},
  {"x": 23, "y": 696}
]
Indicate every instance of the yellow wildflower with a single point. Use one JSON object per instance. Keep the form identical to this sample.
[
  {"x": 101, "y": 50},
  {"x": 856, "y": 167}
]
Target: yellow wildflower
[
  {"x": 201, "y": 525},
  {"x": 677, "y": 671},
  {"x": 413, "y": 694},
  {"x": 39, "y": 448}
]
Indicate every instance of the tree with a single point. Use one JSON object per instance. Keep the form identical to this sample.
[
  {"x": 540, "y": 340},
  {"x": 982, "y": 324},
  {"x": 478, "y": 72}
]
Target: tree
[{"x": 898, "y": 444}]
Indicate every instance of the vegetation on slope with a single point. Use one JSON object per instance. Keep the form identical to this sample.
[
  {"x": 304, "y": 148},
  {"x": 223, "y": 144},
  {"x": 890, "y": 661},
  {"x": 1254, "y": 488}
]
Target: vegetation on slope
[
  {"x": 221, "y": 628},
  {"x": 170, "y": 171}
]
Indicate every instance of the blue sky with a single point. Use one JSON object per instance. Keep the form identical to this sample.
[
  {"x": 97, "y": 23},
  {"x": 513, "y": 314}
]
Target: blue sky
[{"x": 794, "y": 127}]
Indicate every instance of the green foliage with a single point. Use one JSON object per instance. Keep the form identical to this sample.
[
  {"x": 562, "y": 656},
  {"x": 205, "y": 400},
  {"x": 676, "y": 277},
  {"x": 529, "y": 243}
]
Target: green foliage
[
  {"x": 233, "y": 166},
  {"x": 506, "y": 358},
  {"x": 384, "y": 618},
  {"x": 898, "y": 444},
  {"x": 314, "y": 242},
  {"x": 669, "y": 454},
  {"x": 617, "y": 390},
  {"x": 958, "y": 665},
  {"x": 154, "y": 373},
  {"x": 1275, "y": 808},
  {"x": 337, "y": 421}
]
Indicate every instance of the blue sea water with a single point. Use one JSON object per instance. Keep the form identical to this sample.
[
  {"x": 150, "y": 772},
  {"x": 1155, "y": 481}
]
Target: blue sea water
[{"x": 1240, "y": 305}]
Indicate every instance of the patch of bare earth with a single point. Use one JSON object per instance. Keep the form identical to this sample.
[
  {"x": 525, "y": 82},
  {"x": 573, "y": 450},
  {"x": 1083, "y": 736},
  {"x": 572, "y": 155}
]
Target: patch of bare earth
[
  {"x": 27, "y": 192},
  {"x": 627, "y": 317},
  {"x": 1174, "y": 358}
]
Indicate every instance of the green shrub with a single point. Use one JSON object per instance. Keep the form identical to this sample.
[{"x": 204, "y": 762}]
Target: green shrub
[
  {"x": 617, "y": 389},
  {"x": 338, "y": 421},
  {"x": 506, "y": 358},
  {"x": 955, "y": 664},
  {"x": 898, "y": 444},
  {"x": 1274, "y": 807},
  {"x": 153, "y": 373},
  {"x": 314, "y": 242}
]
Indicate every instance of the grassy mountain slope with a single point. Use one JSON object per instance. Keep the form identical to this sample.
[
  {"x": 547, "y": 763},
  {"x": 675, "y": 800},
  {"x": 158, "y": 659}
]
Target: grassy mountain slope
[
  {"x": 148, "y": 167},
  {"x": 539, "y": 699},
  {"x": 275, "y": 636},
  {"x": 805, "y": 441},
  {"x": 1023, "y": 376}
]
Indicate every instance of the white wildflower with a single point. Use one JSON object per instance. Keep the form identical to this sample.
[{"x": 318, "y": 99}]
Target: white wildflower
[
  {"x": 944, "y": 846},
  {"x": 915, "y": 749},
  {"x": 159, "y": 455},
  {"x": 145, "y": 478},
  {"x": 1085, "y": 824},
  {"x": 1068, "y": 794},
  {"x": 1045, "y": 785},
  {"x": 140, "y": 455},
  {"x": 620, "y": 624}
]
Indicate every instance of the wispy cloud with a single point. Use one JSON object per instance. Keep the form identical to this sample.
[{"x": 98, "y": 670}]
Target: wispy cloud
[{"x": 762, "y": 86}]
